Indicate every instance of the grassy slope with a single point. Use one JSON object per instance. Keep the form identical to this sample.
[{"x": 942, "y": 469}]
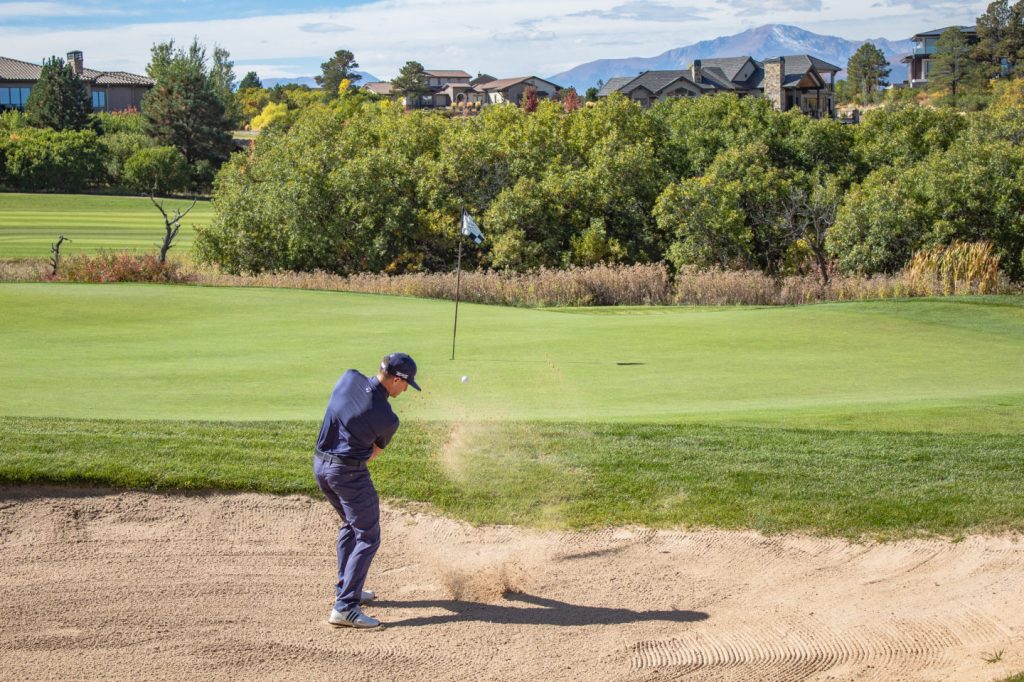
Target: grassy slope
[
  {"x": 29, "y": 223},
  {"x": 889, "y": 418},
  {"x": 142, "y": 351}
]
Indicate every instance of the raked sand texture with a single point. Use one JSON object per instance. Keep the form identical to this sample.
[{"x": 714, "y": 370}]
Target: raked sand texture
[{"x": 128, "y": 585}]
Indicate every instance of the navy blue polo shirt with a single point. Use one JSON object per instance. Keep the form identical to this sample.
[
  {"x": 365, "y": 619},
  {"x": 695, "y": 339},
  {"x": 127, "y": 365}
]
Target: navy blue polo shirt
[{"x": 358, "y": 417}]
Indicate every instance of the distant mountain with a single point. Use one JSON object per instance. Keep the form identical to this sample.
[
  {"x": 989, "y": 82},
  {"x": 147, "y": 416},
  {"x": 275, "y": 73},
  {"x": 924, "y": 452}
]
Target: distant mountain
[
  {"x": 763, "y": 42},
  {"x": 311, "y": 82}
]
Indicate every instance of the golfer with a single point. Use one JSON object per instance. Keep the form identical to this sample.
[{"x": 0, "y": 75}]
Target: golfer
[{"x": 358, "y": 425}]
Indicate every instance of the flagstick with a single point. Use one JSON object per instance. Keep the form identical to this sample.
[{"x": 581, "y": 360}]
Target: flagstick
[{"x": 458, "y": 284}]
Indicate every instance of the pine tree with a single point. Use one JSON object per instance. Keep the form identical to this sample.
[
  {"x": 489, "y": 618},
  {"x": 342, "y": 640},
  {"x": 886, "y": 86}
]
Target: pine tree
[
  {"x": 411, "y": 83},
  {"x": 250, "y": 80},
  {"x": 867, "y": 70},
  {"x": 59, "y": 99},
  {"x": 222, "y": 79},
  {"x": 183, "y": 108},
  {"x": 952, "y": 64},
  {"x": 336, "y": 69},
  {"x": 1000, "y": 36}
]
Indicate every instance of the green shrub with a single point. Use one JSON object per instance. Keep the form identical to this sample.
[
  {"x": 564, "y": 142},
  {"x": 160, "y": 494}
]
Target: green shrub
[
  {"x": 44, "y": 159},
  {"x": 118, "y": 147},
  {"x": 109, "y": 123},
  {"x": 157, "y": 170},
  {"x": 11, "y": 120},
  {"x": 203, "y": 173}
]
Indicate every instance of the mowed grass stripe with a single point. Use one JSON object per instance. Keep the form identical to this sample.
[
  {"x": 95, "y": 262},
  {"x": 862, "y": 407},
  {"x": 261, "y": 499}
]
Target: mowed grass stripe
[
  {"x": 850, "y": 484},
  {"x": 30, "y": 223},
  {"x": 147, "y": 351}
]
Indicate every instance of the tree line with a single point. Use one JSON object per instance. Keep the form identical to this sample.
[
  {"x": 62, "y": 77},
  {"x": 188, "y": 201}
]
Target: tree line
[{"x": 717, "y": 181}]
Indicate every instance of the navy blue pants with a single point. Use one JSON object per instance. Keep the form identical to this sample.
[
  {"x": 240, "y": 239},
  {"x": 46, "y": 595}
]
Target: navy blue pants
[{"x": 350, "y": 490}]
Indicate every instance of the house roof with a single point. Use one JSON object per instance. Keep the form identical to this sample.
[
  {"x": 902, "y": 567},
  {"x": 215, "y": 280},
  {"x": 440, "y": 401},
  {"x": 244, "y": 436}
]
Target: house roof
[
  {"x": 654, "y": 81},
  {"x": 482, "y": 78},
  {"x": 714, "y": 78},
  {"x": 16, "y": 70},
  {"x": 935, "y": 33},
  {"x": 613, "y": 85},
  {"x": 378, "y": 87},
  {"x": 446, "y": 74},
  {"x": 800, "y": 63},
  {"x": 503, "y": 83},
  {"x": 123, "y": 78},
  {"x": 728, "y": 66}
]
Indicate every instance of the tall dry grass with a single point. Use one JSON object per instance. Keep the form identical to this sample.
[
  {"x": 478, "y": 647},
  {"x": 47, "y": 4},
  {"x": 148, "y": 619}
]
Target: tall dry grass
[
  {"x": 24, "y": 270},
  {"x": 960, "y": 268},
  {"x": 954, "y": 270},
  {"x": 598, "y": 285}
]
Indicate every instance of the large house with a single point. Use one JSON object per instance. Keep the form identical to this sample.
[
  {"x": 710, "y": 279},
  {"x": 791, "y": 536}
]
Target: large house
[
  {"x": 457, "y": 89},
  {"x": 108, "y": 90},
  {"x": 925, "y": 46},
  {"x": 792, "y": 82}
]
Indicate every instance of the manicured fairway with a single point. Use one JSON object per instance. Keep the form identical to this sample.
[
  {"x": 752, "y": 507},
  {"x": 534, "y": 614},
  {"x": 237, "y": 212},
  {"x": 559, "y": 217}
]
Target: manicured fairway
[
  {"x": 157, "y": 352},
  {"x": 888, "y": 418},
  {"x": 29, "y": 223}
]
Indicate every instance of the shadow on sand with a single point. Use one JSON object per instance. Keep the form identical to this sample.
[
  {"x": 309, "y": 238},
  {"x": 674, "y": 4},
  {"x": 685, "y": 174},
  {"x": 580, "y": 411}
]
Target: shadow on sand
[{"x": 526, "y": 609}]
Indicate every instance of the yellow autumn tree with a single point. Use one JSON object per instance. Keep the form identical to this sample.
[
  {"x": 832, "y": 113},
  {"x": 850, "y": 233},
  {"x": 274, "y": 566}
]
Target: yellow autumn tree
[{"x": 272, "y": 112}]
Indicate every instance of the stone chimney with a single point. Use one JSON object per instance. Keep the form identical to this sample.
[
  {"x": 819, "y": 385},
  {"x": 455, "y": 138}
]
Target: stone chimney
[
  {"x": 75, "y": 60},
  {"x": 774, "y": 70},
  {"x": 695, "y": 71}
]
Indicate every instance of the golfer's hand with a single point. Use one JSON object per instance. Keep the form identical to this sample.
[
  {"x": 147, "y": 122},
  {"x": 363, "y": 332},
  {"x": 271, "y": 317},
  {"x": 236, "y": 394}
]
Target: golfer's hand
[{"x": 376, "y": 451}]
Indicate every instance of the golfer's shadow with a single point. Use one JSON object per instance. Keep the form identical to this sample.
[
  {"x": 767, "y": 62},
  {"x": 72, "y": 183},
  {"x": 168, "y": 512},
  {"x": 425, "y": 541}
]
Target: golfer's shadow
[{"x": 552, "y": 612}]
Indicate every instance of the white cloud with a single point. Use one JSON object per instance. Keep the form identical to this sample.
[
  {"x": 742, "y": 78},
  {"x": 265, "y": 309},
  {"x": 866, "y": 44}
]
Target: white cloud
[
  {"x": 38, "y": 10},
  {"x": 325, "y": 27},
  {"x": 646, "y": 10},
  {"x": 265, "y": 71},
  {"x": 762, "y": 7},
  {"x": 527, "y": 31}
]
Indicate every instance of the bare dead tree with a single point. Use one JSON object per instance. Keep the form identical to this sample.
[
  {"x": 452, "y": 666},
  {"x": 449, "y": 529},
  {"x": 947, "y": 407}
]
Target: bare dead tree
[
  {"x": 809, "y": 214},
  {"x": 55, "y": 258},
  {"x": 171, "y": 225}
]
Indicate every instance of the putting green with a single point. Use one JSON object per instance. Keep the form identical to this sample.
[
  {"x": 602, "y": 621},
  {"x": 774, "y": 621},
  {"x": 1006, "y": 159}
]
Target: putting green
[
  {"x": 143, "y": 352},
  {"x": 30, "y": 223}
]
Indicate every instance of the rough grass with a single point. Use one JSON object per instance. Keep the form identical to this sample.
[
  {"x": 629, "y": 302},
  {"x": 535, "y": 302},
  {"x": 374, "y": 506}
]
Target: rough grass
[{"x": 846, "y": 483}]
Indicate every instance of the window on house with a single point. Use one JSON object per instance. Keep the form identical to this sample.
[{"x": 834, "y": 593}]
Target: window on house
[
  {"x": 99, "y": 101},
  {"x": 14, "y": 98}
]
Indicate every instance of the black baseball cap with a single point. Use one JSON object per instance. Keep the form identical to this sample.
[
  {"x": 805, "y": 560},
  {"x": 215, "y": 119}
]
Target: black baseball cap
[{"x": 401, "y": 366}]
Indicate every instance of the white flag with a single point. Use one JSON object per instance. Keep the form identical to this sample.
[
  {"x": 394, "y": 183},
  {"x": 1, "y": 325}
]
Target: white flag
[{"x": 470, "y": 229}]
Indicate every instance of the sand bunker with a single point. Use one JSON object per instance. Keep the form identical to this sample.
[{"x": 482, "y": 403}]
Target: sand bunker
[{"x": 136, "y": 585}]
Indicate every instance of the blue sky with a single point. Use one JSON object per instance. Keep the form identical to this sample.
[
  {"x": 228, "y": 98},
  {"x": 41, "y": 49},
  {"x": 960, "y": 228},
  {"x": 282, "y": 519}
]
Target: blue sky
[{"x": 517, "y": 37}]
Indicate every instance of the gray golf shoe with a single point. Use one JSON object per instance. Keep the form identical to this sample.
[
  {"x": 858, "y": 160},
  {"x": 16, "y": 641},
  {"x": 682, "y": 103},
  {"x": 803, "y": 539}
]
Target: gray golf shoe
[
  {"x": 352, "y": 618},
  {"x": 367, "y": 596}
]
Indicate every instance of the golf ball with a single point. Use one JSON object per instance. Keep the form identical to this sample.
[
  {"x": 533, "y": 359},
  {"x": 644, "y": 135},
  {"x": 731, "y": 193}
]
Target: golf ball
[{"x": 465, "y": 378}]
